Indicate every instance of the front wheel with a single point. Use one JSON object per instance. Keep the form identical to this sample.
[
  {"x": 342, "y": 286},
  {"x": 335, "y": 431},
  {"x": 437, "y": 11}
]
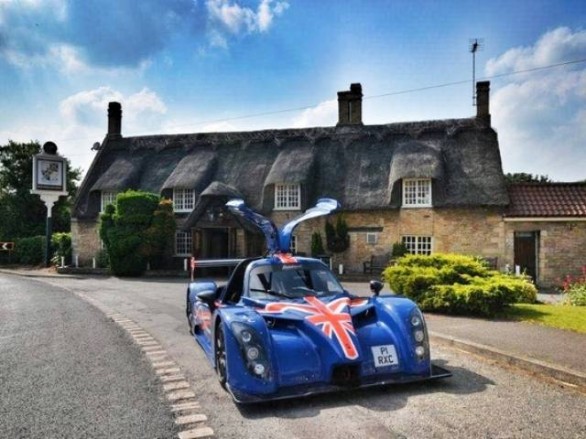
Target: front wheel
[{"x": 221, "y": 362}]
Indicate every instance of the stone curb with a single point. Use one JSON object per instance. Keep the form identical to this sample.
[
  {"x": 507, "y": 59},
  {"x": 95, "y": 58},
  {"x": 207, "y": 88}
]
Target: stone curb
[
  {"x": 538, "y": 367},
  {"x": 40, "y": 275}
]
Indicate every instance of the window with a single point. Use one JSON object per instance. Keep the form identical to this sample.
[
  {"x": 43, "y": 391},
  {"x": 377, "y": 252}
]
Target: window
[
  {"x": 183, "y": 243},
  {"x": 371, "y": 238},
  {"x": 418, "y": 245},
  {"x": 183, "y": 200},
  {"x": 107, "y": 198},
  {"x": 293, "y": 244},
  {"x": 287, "y": 196},
  {"x": 417, "y": 192}
]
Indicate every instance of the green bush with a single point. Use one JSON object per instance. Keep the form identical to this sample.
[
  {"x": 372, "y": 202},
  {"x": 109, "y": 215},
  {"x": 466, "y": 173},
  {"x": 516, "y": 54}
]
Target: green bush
[
  {"x": 61, "y": 244},
  {"x": 574, "y": 289},
  {"x": 457, "y": 284},
  {"x": 576, "y": 296},
  {"x": 399, "y": 250},
  {"x": 102, "y": 259},
  {"x": 337, "y": 238},
  {"x": 317, "y": 245},
  {"x": 159, "y": 244},
  {"x": 29, "y": 251},
  {"x": 123, "y": 229}
]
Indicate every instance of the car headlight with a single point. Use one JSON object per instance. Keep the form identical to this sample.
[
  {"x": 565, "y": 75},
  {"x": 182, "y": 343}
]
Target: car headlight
[
  {"x": 419, "y": 333},
  {"x": 419, "y": 336},
  {"x": 252, "y": 353},
  {"x": 252, "y": 350}
]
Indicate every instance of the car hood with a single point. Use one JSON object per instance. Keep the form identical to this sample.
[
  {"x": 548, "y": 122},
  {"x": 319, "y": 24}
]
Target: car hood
[{"x": 326, "y": 319}]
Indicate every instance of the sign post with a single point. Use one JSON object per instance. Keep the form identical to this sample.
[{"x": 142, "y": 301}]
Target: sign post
[{"x": 50, "y": 183}]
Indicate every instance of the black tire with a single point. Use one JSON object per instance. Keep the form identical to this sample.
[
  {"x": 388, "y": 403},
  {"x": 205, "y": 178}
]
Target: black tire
[
  {"x": 220, "y": 350},
  {"x": 188, "y": 315}
]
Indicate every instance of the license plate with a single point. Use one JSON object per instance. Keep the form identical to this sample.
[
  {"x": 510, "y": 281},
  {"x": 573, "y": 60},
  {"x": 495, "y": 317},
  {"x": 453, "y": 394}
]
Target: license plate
[{"x": 384, "y": 355}]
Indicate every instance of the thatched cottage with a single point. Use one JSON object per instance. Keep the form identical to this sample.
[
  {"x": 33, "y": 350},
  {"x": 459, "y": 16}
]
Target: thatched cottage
[{"x": 436, "y": 186}]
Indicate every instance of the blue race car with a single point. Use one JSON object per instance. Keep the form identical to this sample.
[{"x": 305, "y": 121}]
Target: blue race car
[{"x": 284, "y": 327}]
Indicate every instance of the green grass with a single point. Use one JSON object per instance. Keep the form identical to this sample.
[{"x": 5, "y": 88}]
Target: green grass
[{"x": 572, "y": 318}]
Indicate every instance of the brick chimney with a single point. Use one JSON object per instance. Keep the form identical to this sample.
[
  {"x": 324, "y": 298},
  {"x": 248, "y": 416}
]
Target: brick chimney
[
  {"x": 114, "y": 120},
  {"x": 350, "y": 106},
  {"x": 482, "y": 101}
]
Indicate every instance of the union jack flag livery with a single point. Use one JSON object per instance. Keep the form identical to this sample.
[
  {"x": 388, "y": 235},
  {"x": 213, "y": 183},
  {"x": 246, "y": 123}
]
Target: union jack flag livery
[{"x": 332, "y": 318}]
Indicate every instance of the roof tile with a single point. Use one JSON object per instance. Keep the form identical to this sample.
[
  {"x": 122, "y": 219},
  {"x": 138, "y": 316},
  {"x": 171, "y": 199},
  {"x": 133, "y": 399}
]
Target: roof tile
[{"x": 547, "y": 200}]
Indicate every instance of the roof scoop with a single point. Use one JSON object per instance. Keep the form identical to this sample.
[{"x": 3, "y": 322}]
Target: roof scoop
[{"x": 279, "y": 240}]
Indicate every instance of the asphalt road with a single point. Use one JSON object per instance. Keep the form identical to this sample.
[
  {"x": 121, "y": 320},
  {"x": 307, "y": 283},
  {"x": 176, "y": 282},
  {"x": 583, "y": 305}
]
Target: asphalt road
[
  {"x": 66, "y": 371},
  {"x": 481, "y": 400}
]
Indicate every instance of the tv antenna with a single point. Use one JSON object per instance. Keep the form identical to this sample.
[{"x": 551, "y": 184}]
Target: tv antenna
[{"x": 476, "y": 44}]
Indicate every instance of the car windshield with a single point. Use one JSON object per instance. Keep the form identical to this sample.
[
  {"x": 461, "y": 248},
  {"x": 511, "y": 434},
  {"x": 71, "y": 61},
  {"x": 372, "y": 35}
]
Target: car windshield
[{"x": 292, "y": 281}]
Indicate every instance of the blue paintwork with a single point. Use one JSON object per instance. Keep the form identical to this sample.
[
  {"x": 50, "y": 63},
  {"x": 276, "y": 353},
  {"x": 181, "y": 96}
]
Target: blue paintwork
[
  {"x": 279, "y": 240},
  {"x": 298, "y": 355}
]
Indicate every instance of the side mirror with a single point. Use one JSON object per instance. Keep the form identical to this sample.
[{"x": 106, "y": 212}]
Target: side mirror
[
  {"x": 208, "y": 297},
  {"x": 376, "y": 286}
]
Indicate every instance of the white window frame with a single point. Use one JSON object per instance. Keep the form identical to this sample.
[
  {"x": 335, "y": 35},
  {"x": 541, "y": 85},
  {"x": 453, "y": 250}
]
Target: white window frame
[
  {"x": 107, "y": 197},
  {"x": 287, "y": 196},
  {"x": 417, "y": 192},
  {"x": 183, "y": 243},
  {"x": 371, "y": 238},
  {"x": 183, "y": 200},
  {"x": 418, "y": 245}
]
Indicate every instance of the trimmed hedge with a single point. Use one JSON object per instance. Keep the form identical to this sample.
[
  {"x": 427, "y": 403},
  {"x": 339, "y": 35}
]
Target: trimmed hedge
[
  {"x": 29, "y": 251},
  {"x": 139, "y": 228},
  {"x": 457, "y": 284}
]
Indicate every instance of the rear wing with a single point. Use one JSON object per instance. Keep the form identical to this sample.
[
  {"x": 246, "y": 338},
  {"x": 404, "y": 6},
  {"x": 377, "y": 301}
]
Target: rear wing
[{"x": 279, "y": 240}]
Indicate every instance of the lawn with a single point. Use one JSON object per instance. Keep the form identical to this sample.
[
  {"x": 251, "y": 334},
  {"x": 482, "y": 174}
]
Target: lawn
[{"x": 572, "y": 318}]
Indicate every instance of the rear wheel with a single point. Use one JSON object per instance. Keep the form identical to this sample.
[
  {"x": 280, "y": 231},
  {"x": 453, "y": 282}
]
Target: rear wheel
[
  {"x": 221, "y": 363},
  {"x": 189, "y": 315}
]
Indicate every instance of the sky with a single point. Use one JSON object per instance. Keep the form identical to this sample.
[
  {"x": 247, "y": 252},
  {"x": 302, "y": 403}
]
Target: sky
[{"x": 187, "y": 66}]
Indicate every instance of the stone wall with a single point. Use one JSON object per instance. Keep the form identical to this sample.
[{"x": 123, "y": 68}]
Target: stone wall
[
  {"x": 561, "y": 248},
  {"x": 85, "y": 241},
  {"x": 474, "y": 231}
]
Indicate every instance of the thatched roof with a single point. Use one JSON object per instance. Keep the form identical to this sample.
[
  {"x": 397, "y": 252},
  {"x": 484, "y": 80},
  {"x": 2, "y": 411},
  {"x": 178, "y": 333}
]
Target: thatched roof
[
  {"x": 360, "y": 166},
  {"x": 122, "y": 173},
  {"x": 193, "y": 171},
  {"x": 219, "y": 189},
  {"x": 414, "y": 159},
  {"x": 293, "y": 164}
]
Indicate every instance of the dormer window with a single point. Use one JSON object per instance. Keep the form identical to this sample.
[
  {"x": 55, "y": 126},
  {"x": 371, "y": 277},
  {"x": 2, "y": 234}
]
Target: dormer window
[
  {"x": 417, "y": 192},
  {"x": 107, "y": 198},
  {"x": 287, "y": 197},
  {"x": 183, "y": 200}
]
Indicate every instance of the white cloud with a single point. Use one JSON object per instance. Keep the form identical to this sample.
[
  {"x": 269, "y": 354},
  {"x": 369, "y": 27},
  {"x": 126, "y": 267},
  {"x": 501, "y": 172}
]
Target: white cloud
[
  {"x": 323, "y": 114},
  {"x": 82, "y": 121},
  {"x": 557, "y": 46},
  {"x": 228, "y": 17},
  {"x": 540, "y": 117}
]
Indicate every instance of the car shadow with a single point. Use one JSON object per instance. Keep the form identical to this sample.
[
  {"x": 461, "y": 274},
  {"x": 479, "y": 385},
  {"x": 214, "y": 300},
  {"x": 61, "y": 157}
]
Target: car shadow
[{"x": 379, "y": 398}]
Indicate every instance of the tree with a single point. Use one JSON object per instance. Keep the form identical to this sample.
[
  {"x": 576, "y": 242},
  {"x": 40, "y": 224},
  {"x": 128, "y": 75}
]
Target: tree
[
  {"x": 21, "y": 213},
  {"x": 317, "y": 246},
  {"x": 337, "y": 238},
  {"x": 158, "y": 244},
  {"x": 523, "y": 177},
  {"x": 139, "y": 228}
]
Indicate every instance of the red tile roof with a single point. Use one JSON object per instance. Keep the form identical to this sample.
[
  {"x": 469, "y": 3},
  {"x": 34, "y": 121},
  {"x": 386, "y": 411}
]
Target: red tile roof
[{"x": 547, "y": 200}]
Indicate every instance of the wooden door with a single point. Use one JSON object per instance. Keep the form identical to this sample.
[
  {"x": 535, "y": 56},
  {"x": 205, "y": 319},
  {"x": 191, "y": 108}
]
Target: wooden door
[{"x": 526, "y": 252}]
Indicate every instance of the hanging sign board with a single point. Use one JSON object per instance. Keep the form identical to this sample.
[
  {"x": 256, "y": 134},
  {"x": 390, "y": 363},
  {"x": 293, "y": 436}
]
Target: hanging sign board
[{"x": 49, "y": 171}]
